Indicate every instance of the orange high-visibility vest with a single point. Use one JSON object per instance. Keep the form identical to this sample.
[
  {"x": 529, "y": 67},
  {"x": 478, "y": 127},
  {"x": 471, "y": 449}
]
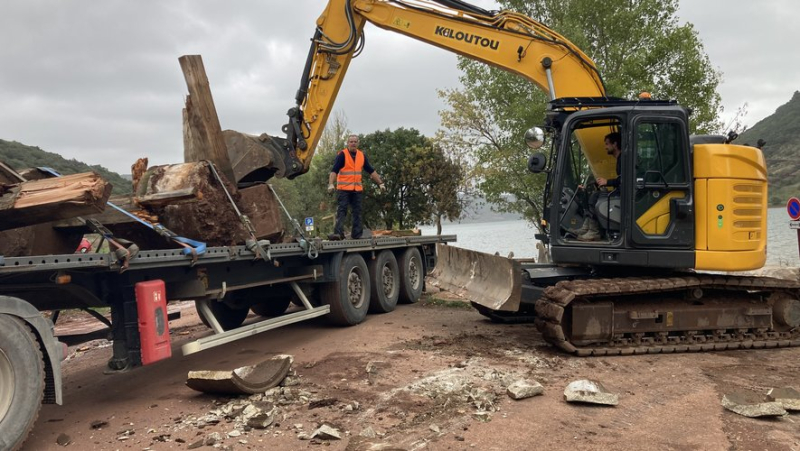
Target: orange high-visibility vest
[{"x": 349, "y": 178}]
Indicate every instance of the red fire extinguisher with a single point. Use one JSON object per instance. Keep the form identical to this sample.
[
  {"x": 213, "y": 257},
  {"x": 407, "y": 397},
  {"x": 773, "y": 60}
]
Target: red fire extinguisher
[{"x": 151, "y": 303}]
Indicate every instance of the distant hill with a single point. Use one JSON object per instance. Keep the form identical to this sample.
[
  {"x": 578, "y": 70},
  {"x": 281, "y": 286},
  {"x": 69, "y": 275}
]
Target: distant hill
[
  {"x": 781, "y": 131},
  {"x": 20, "y": 156}
]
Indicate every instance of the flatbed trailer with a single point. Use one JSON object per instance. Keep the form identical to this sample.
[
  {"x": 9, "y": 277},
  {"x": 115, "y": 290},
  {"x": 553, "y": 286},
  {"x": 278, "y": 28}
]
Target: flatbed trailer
[{"x": 342, "y": 280}]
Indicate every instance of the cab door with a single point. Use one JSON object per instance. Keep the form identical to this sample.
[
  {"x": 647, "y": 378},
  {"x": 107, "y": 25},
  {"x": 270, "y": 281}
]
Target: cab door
[{"x": 663, "y": 212}]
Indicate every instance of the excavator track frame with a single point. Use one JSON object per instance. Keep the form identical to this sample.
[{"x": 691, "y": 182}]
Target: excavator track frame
[{"x": 555, "y": 307}]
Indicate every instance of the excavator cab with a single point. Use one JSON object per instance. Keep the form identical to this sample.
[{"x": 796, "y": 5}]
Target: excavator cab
[{"x": 647, "y": 220}]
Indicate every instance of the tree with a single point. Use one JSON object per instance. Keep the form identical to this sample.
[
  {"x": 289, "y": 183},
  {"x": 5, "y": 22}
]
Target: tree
[
  {"x": 444, "y": 187},
  {"x": 422, "y": 182},
  {"x": 638, "y": 45}
]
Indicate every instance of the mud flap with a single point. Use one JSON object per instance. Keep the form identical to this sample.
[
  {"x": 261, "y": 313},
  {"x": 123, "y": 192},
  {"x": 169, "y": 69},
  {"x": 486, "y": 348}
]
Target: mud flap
[{"x": 489, "y": 280}]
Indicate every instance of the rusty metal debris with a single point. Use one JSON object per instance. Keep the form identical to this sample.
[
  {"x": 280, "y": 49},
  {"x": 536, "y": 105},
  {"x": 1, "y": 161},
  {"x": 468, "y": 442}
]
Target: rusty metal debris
[{"x": 244, "y": 380}]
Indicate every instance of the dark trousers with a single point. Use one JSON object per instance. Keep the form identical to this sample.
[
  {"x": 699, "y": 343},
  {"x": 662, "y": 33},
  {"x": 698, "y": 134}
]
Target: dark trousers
[{"x": 352, "y": 199}]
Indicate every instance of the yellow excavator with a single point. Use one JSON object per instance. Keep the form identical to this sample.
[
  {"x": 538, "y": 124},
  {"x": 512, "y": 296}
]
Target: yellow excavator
[{"x": 685, "y": 208}]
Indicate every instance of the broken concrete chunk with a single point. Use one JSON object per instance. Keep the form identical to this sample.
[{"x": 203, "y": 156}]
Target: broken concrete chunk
[
  {"x": 524, "y": 389},
  {"x": 261, "y": 420},
  {"x": 788, "y": 397},
  {"x": 589, "y": 391},
  {"x": 751, "y": 405},
  {"x": 245, "y": 380},
  {"x": 326, "y": 432},
  {"x": 368, "y": 432}
]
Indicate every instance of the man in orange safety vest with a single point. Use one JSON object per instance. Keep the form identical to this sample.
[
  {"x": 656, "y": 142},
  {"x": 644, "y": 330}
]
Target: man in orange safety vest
[{"x": 346, "y": 173}]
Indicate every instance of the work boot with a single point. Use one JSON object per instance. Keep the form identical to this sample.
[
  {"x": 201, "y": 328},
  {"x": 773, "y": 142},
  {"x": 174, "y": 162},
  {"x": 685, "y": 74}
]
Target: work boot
[
  {"x": 592, "y": 231},
  {"x": 334, "y": 237},
  {"x": 582, "y": 229}
]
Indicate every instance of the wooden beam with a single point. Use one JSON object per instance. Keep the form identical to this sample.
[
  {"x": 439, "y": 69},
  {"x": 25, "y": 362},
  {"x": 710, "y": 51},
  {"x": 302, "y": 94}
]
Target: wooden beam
[
  {"x": 40, "y": 201},
  {"x": 202, "y": 127}
]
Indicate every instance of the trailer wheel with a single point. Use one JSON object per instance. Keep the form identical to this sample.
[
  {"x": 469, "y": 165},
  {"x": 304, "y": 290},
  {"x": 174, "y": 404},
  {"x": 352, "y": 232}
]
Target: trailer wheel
[
  {"x": 411, "y": 276},
  {"x": 385, "y": 283},
  {"x": 273, "y": 307},
  {"x": 21, "y": 381},
  {"x": 227, "y": 316},
  {"x": 348, "y": 296}
]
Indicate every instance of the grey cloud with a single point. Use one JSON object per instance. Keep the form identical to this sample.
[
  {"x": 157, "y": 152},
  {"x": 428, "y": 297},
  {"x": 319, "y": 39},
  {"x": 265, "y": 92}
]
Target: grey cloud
[{"x": 99, "y": 80}]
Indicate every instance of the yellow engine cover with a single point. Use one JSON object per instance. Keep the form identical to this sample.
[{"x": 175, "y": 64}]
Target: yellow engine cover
[{"x": 731, "y": 207}]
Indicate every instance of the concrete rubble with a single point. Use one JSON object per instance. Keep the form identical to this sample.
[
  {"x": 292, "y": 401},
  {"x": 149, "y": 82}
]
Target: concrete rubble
[
  {"x": 326, "y": 432},
  {"x": 244, "y": 380},
  {"x": 522, "y": 389},
  {"x": 788, "y": 397},
  {"x": 752, "y": 405},
  {"x": 590, "y": 392}
]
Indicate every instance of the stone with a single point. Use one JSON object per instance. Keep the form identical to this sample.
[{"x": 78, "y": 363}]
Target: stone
[
  {"x": 787, "y": 396},
  {"x": 326, "y": 432},
  {"x": 522, "y": 389},
  {"x": 212, "y": 438},
  {"x": 261, "y": 420},
  {"x": 63, "y": 439},
  {"x": 234, "y": 433},
  {"x": 591, "y": 392},
  {"x": 197, "y": 444},
  {"x": 752, "y": 405},
  {"x": 368, "y": 432},
  {"x": 97, "y": 424},
  {"x": 434, "y": 428}
]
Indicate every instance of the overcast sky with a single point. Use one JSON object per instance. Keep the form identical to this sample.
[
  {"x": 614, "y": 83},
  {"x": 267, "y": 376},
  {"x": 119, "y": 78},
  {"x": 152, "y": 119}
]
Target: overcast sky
[{"x": 99, "y": 81}]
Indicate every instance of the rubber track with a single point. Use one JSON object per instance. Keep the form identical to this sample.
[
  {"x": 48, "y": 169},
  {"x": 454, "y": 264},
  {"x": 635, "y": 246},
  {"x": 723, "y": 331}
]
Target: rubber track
[{"x": 555, "y": 299}]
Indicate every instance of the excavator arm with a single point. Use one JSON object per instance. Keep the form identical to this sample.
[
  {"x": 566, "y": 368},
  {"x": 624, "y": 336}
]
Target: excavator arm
[{"x": 504, "y": 39}]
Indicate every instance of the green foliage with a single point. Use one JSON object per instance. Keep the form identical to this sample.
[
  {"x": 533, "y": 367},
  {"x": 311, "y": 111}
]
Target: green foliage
[
  {"x": 637, "y": 46},
  {"x": 399, "y": 157},
  {"x": 20, "y": 156},
  {"x": 781, "y": 131}
]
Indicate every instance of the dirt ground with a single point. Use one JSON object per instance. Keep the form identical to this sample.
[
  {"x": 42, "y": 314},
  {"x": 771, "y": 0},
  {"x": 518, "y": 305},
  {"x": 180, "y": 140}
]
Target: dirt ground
[{"x": 427, "y": 376}]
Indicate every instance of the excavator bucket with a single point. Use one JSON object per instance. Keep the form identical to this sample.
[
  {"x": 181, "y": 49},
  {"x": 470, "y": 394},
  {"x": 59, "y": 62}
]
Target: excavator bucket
[
  {"x": 489, "y": 280},
  {"x": 259, "y": 158}
]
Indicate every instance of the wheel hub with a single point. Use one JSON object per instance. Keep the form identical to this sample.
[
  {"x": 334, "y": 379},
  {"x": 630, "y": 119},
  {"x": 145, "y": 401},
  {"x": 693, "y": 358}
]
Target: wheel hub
[
  {"x": 388, "y": 281},
  {"x": 413, "y": 272},
  {"x": 355, "y": 288},
  {"x": 8, "y": 384}
]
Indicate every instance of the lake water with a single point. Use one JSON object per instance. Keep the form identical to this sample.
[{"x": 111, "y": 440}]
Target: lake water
[{"x": 517, "y": 236}]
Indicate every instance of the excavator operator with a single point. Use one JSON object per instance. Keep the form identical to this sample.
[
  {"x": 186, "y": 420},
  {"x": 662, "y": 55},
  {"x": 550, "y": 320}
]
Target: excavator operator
[{"x": 590, "y": 230}]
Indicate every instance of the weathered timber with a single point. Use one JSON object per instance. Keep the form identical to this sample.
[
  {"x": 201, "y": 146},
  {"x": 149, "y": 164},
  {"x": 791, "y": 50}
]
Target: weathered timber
[
  {"x": 259, "y": 203},
  {"x": 190, "y": 201},
  {"x": 205, "y": 134},
  {"x": 39, "y": 201},
  {"x": 8, "y": 175}
]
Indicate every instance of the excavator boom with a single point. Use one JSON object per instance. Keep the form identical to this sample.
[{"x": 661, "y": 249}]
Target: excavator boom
[{"x": 503, "y": 39}]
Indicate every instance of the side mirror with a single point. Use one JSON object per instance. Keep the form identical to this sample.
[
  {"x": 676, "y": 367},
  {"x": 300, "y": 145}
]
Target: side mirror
[
  {"x": 537, "y": 162},
  {"x": 534, "y": 137}
]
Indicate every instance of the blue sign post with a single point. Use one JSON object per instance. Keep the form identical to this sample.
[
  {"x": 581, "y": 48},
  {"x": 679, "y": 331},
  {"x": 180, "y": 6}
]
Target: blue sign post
[
  {"x": 309, "y": 224},
  {"x": 793, "y": 208}
]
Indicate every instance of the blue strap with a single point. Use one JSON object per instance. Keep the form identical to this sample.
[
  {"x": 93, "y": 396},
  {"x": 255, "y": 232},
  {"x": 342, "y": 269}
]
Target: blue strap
[{"x": 199, "y": 246}]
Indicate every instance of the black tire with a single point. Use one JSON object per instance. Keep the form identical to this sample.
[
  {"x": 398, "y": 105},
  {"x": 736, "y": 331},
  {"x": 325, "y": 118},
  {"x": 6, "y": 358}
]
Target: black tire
[
  {"x": 348, "y": 297},
  {"x": 412, "y": 275},
  {"x": 384, "y": 278},
  {"x": 227, "y": 316},
  {"x": 272, "y": 307},
  {"x": 21, "y": 381}
]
